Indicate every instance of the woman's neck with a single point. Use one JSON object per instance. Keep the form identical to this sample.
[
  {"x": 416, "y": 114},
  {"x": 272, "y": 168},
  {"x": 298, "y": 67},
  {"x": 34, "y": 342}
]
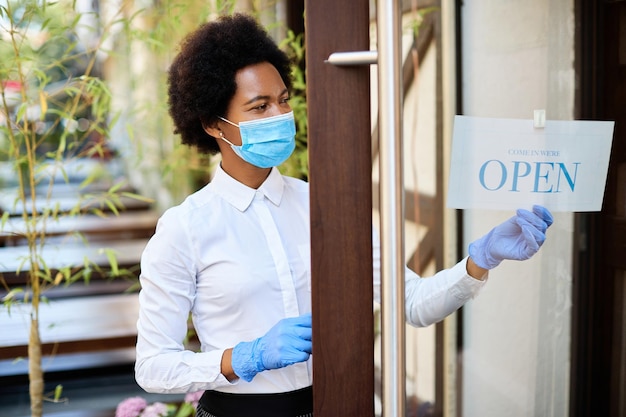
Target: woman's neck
[{"x": 244, "y": 172}]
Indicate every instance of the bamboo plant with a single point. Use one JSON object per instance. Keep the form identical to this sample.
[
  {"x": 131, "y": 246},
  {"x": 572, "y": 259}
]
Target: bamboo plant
[{"x": 54, "y": 115}]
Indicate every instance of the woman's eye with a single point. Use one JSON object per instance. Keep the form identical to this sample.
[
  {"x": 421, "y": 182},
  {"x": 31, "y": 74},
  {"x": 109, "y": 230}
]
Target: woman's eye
[{"x": 261, "y": 107}]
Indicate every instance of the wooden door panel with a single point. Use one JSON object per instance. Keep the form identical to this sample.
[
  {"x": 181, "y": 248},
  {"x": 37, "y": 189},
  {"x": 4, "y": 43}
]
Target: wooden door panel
[{"x": 341, "y": 210}]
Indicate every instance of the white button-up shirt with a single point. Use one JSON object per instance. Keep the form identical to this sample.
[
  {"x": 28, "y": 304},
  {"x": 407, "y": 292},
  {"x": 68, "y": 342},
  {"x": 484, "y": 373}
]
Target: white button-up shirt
[{"x": 237, "y": 259}]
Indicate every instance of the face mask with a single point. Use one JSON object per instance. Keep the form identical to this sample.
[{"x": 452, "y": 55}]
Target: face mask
[{"x": 265, "y": 142}]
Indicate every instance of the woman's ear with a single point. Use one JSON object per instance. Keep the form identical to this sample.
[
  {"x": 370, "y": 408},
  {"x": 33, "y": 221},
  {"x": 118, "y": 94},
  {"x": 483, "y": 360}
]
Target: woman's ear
[{"x": 211, "y": 128}]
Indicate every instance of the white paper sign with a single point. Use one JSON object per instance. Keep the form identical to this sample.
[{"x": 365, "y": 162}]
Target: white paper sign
[{"x": 505, "y": 164}]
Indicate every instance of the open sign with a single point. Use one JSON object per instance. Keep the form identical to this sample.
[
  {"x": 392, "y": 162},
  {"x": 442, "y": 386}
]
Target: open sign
[{"x": 506, "y": 164}]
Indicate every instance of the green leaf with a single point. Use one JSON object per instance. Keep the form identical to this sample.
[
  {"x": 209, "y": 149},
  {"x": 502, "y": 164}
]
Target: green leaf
[
  {"x": 111, "y": 205},
  {"x": 110, "y": 254},
  {"x": 11, "y": 294},
  {"x": 115, "y": 187},
  {"x": 58, "y": 391},
  {"x": 185, "y": 410},
  {"x": 99, "y": 213},
  {"x": 137, "y": 197},
  {"x": 5, "y": 218}
]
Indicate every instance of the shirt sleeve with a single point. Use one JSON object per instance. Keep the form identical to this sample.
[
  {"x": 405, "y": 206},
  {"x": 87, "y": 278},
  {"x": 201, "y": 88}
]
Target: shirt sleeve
[
  {"x": 168, "y": 284},
  {"x": 431, "y": 299}
]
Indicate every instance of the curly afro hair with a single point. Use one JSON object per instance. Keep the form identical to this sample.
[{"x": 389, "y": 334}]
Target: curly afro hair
[{"x": 201, "y": 79}]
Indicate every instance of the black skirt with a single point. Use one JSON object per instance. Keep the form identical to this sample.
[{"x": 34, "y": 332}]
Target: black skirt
[{"x": 297, "y": 403}]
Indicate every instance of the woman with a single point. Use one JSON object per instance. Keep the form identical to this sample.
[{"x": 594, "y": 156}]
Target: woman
[{"x": 235, "y": 254}]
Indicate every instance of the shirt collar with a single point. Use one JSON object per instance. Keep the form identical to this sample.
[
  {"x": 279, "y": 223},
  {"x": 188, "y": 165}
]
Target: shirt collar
[{"x": 240, "y": 196}]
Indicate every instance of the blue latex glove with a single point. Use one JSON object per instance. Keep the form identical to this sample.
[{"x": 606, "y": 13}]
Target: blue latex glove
[
  {"x": 288, "y": 342},
  {"x": 518, "y": 238}
]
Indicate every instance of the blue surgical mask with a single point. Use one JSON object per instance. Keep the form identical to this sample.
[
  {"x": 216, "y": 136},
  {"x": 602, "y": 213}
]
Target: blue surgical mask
[{"x": 266, "y": 142}]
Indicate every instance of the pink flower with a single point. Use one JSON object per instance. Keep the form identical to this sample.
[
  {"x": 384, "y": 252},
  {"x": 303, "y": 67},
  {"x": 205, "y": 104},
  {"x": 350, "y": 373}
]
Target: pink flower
[
  {"x": 155, "y": 410},
  {"x": 130, "y": 407},
  {"x": 193, "y": 398}
]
